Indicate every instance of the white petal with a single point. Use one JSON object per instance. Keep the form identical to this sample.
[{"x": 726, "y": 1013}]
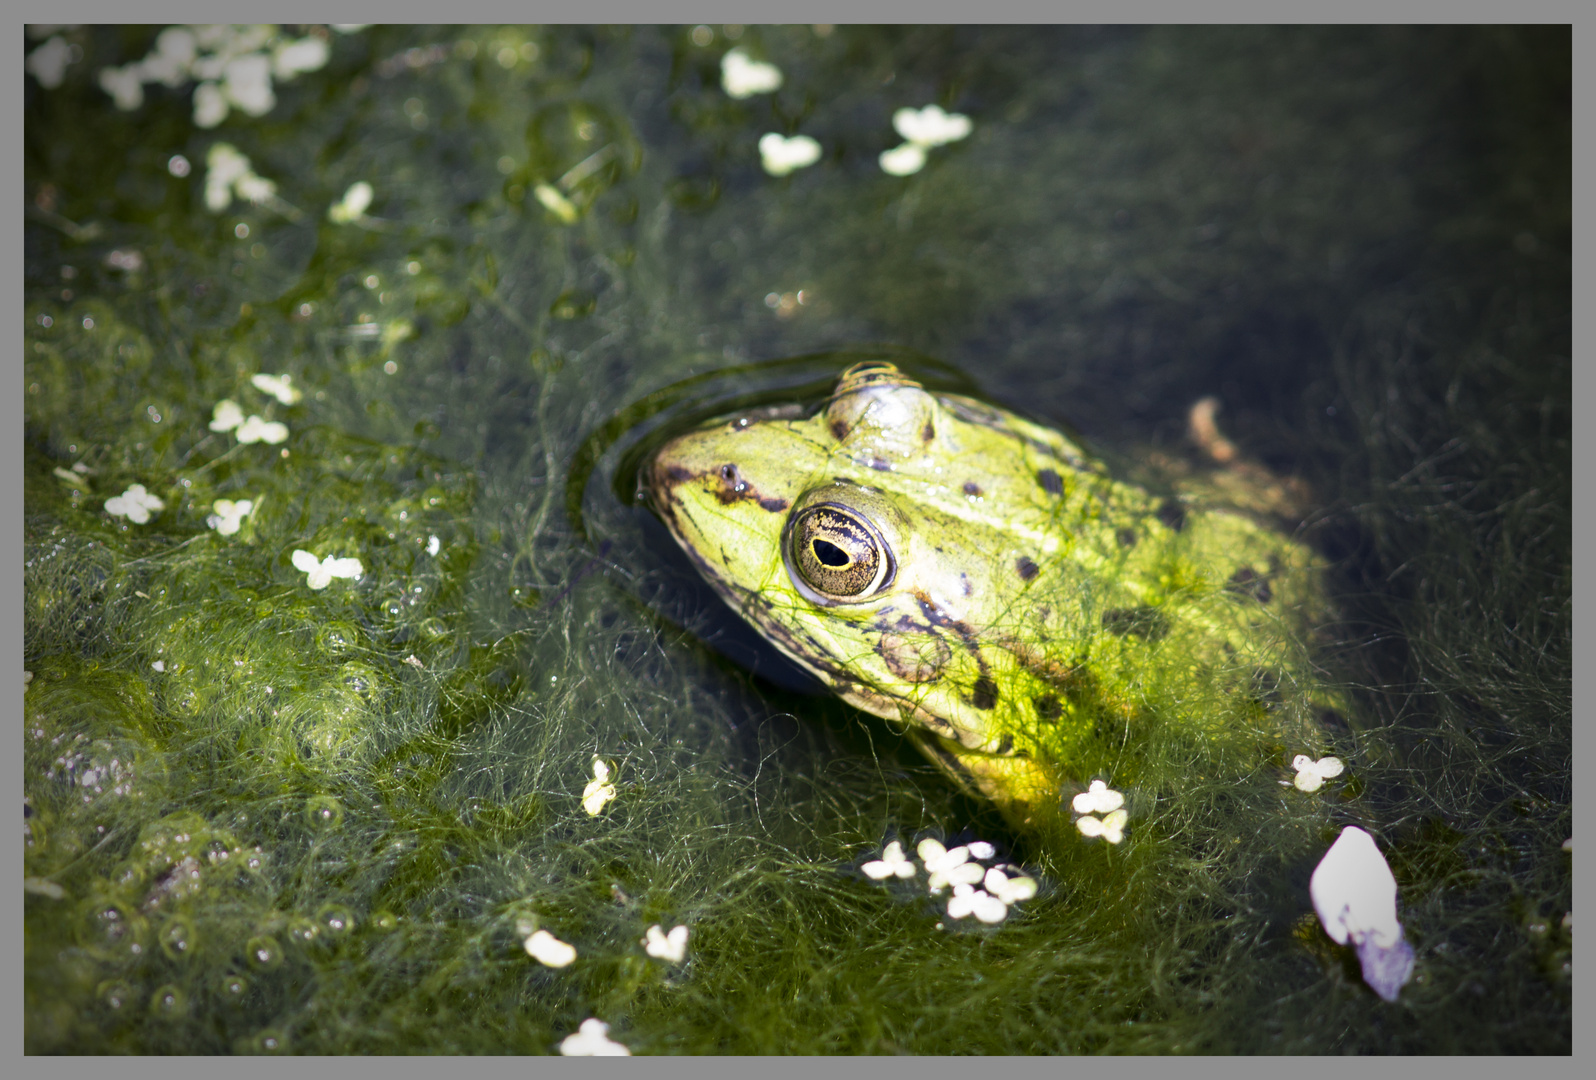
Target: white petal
[
  {"x": 1308, "y": 781},
  {"x": 247, "y": 82},
  {"x": 980, "y": 849},
  {"x": 878, "y": 870},
  {"x": 354, "y": 203},
  {"x": 293, "y": 57},
  {"x": 930, "y": 851},
  {"x": 343, "y": 568},
  {"x": 549, "y": 950},
  {"x": 743, "y": 77},
  {"x": 124, "y": 86},
  {"x": 903, "y": 160},
  {"x": 780, "y": 156},
  {"x": 1114, "y": 826},
  {"x": 1089, "y": 826},
  {"x": 1354, "y": 892},
  {"x": 48, "y": 62},
  {"x": 1328, "y": 767},
  {"x": 601, "y": 769},
  {"x": 433, "y": 545},
  {"x": 596, "y": 796},
  {"x": 893, "y": 852},
  {"x": 278, "y": 386},
  {"x": 592, "y": 1039},
  {"x": 304, "y": 561},
  {"x": 931, "y": 126},
  {"x": 210, "y": 109},
  {"x": 989, "y": 909},
  {"x": 964, "y": 874}
]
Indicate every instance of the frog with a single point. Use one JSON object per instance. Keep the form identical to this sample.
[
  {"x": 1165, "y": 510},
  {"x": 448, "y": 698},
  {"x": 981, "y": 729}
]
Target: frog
[{"x": 1023, "y": 613}]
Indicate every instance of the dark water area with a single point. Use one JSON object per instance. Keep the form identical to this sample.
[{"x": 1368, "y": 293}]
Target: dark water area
[{"x": 264, "y": 816}]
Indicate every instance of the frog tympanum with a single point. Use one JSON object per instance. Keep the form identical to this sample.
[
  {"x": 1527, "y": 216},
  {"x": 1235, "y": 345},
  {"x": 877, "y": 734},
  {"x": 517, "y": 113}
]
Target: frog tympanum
[{"x": 985, "y": 582}]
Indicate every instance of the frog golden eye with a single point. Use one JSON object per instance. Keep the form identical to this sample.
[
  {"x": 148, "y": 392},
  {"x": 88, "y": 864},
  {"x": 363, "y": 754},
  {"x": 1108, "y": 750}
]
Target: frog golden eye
[{"x": 837, "y": 554}]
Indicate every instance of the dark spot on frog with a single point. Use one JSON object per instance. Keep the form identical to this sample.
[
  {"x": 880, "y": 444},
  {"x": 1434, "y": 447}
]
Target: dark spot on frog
[
  {"x": 1026, "y": 567},
  {"x": 1050, "y": 481},
  {"x": 928, "y": 432},
  {"x": 1049, "y": 708},
  {"x": 964, "y": 583},
  {"x": 733, "y": 488},
  {"x": 972, "y": 489},
  {"x": 984, "y": 694},
  {"x": 1145, "y": 622},
  {"x": 677, "y": 475},
  {"x": 912, "y": 660},
  {"x": 879, "y": 465},
  {"x": 839, "y": 430},
  {"x": 1248, "y": 582},
  {"x": 1172, "y": 514},
  {"x": 1006, "y": 745},
  {"x": 1126, "y": 538}
]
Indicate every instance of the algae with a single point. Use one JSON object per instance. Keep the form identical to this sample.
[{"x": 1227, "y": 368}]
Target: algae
[{"x": 262, "y": 818}]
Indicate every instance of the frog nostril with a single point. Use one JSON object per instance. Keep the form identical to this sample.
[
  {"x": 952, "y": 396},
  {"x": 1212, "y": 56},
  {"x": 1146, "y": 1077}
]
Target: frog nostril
[{"x": 830, "y": 554}]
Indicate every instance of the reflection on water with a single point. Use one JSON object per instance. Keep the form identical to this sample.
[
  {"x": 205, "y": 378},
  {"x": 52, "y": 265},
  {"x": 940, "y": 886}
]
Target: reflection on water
[{"x": 454, "y": 282}]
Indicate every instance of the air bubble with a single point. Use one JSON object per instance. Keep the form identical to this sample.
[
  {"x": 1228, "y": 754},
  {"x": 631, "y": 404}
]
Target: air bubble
[
  {"x": 263, "y": 953},
  {"x": 177, "y": 939},
  {"x": 324, "y": 812},
  {"x": 234, "y": 988},
  {"x": 168, "y": 1002},
  {"x": 116, "y": 994},
  {"x": 335, "y": 920}
]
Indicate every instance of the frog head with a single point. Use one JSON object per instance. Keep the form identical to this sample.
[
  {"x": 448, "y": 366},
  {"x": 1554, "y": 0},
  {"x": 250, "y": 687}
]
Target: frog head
[{"x": 890, "y": 544}]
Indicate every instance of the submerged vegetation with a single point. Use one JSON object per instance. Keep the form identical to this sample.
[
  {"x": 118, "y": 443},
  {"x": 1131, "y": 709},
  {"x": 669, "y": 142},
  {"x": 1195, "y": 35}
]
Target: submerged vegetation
[{"x": 335, "y": 704}]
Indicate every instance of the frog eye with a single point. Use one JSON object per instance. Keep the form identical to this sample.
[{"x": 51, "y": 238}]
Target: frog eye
[{"x": 837, "y": 553}]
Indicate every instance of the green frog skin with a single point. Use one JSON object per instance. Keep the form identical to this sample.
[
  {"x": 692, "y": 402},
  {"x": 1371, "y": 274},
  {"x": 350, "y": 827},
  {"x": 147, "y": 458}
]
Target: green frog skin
[{"x": 985, "y": 583}]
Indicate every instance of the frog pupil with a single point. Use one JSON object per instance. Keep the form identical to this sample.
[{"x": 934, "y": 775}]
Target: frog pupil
[
  {"x": 837, "y": 553},
  {"x": 830, "y": 554}
]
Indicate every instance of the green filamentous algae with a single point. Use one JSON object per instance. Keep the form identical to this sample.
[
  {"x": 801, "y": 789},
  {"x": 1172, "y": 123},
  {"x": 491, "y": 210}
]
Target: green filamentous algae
[{"x": 362, "y": 716}]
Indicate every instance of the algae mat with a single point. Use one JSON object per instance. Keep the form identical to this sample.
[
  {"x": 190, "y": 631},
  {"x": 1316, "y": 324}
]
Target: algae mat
[{"x": 306, "y": 775}]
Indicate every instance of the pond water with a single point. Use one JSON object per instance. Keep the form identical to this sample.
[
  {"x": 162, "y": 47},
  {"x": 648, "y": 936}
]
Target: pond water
[{"x": 308, "y": 776}]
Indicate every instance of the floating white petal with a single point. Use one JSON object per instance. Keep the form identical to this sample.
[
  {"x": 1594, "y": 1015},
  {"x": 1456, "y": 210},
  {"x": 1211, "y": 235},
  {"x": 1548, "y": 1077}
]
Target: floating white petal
[
  {"x": 226, "y": 416},
  {"x": 1110, "y": 827},
  {"x": 254, "y": 430},
  {"x": 280, "y": 387},
  {"x": 321, "y": 572},
  {"x": 742, "y": 76},
  {"x": 1312, "y": 774},
  {"x": 931, "y": 126},
  {"x": 294, "y": 57},
  {"x": 229, "y": 515},
  {"x": 210, "y": 109},
  {"x": 549, "y": 950},
  {"x": 663, "y": 946},
  {"x": 902, "y": 160},
  {"x": 599, "y": 790},
  {"x": 48, "y": 62},
  {"x": 1098, "y": 799},
  {"x": 134, "y": 504},
  {"x": 1010, "y": 890},
  {"x": 892, "y": 863},
  {"x": 247, "y": 82},
  {"x": 353, "y": 205},
  {"x": 592, "y": 1039},
  {"x": 780, "y": 155},
  {"x": 1354, "y": 894},
  {"x": 124, "y": 86},
  {"x": 434, "y": 545}
]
